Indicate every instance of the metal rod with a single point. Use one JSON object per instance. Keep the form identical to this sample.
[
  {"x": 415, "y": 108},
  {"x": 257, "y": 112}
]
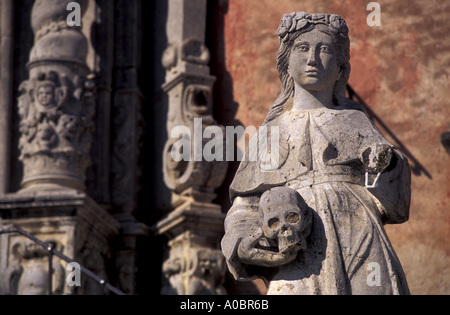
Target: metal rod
[
  {"x": 50, "y": 269},
  {"x": 58, "y": 254}
]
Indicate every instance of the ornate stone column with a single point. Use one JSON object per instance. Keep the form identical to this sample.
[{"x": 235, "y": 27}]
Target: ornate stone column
[
  {"x": 194, "y": 264},
  {"x": 56, "y": 105},
  {"x": 56, "y": 108}
]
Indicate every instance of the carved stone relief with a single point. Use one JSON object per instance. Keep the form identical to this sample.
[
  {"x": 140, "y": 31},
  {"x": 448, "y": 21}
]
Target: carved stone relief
[
  {"x": 27, "y": 272},
  {"x": 194, "y": 173},
  {"x": 192, "y": 270},
  {"x": 56, "y": 126}
]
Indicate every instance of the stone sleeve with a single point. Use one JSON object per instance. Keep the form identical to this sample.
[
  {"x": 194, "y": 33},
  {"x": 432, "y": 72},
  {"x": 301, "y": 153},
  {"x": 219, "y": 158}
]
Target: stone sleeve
[
  {"x": 393, "y": 194},
  {"x": 241, "y": 221}
]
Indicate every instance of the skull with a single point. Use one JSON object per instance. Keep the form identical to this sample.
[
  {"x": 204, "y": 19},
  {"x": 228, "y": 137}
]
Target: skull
[{"x": 285, "y": 218}]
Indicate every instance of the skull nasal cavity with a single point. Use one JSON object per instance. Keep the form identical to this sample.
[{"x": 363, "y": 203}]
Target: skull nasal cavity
[{"x": 274, "y": 223}]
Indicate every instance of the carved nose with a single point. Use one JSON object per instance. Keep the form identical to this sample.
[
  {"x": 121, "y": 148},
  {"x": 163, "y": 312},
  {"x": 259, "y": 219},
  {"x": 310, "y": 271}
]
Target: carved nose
[{"x": 312, "y": 59}]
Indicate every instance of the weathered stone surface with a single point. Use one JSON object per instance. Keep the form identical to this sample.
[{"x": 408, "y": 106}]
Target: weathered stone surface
[{"x": 350, "y": 177}]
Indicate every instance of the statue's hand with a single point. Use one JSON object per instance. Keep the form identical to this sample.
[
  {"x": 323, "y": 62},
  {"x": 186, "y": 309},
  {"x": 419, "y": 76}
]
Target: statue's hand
[
  {"x": 377, "y": 158},
  {"x": 250, "y": 253}
]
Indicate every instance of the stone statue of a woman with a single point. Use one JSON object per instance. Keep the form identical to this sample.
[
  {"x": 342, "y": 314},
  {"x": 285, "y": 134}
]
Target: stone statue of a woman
[{"x": 338, "y": 163}]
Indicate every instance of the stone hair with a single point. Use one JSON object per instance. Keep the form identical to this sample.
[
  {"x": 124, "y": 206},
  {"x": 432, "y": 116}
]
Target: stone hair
[{"x": 291, "y": 27}]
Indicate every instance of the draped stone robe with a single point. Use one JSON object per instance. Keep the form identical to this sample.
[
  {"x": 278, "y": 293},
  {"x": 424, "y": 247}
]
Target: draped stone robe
[{"x": 348, "y": 252}]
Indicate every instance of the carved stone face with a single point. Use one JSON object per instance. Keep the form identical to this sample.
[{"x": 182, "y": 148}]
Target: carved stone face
[
  {"x": 46, "y": 96},
  {"x": 283, "y": 220},
  {"x": 313, "y": 61}
]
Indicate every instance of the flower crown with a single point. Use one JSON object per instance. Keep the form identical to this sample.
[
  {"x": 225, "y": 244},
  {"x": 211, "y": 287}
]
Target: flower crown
[{"x": 294, "y": 22}]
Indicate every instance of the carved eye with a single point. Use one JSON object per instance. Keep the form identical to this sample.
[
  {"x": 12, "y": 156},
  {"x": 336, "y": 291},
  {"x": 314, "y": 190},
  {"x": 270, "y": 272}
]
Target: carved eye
[
  {"x": 303, "y": 48},
  {"x": 293, "y": 218},
  {"x": 325, "y": 49},
  {"x": 274, "y": 223}
]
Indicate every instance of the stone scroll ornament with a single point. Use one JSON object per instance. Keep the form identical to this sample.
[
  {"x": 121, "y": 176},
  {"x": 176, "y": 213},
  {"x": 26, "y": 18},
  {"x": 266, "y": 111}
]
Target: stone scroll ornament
[
  {"x": 56, "y": 104},
  {"x": 315, "y": 224}
]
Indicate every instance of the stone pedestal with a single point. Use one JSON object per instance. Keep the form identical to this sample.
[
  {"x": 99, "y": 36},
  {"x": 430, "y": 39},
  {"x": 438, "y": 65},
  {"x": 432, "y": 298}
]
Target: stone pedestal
[
  {"x": 127, "y": 252},
  {"x": 68, "y": 219},
  {"x": 195, "y": 265}
]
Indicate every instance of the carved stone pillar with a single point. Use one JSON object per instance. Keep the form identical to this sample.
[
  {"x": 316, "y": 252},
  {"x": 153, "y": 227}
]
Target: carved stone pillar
[
  {"x": 127, "y": 127},
  {"x": 56, "y": 104},
  {"x": 56, "y": 108},
  {"x": 194, "y": 264}
]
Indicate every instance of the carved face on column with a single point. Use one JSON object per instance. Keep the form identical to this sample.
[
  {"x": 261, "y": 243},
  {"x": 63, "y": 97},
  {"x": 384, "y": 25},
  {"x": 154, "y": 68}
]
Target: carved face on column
[
  {"x": 30, "y": 276},
  {"x": 46, "y": 95}
]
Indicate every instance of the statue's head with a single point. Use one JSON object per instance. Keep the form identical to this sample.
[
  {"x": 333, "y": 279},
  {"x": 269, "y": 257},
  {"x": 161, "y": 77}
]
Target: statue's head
[{"x": 294, "y": 31}]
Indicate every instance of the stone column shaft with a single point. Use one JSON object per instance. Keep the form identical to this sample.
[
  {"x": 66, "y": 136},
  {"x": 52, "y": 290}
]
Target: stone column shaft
[{"x": 194, "y": 264}]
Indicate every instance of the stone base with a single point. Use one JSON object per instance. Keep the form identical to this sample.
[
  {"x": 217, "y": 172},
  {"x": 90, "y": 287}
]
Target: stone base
[
  {"x": 194, "y": 263},
  {"x": 73, "y": 222}
]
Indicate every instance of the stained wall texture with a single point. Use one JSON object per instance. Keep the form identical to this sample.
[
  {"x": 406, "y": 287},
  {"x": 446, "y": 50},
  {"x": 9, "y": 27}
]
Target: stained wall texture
[{"x": 400, "y": 70}]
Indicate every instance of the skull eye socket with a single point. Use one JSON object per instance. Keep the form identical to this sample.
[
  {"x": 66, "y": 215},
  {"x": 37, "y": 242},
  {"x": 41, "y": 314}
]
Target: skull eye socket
[
  {"x": 273, "y": 223},
  {"x": 293, "y": 218}
]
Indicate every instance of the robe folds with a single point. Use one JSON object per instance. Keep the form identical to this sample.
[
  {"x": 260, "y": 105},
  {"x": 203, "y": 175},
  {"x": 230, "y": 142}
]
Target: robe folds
[{"x": 321, "y": 155}]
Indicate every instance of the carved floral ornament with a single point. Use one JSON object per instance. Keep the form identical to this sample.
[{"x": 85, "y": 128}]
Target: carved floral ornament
[
  {"x": 294, "y": 22},
  {"x": 56, "y": 123}
]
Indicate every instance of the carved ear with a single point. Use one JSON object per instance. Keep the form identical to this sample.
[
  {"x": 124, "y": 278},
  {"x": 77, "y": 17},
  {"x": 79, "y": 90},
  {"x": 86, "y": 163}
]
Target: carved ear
[
  {"x": 23, "y": 88},
  {"x": 18, "y": 250},
  {"x": 31, "y": 94},
  {"x": 193, "y": 263},
  {"x": 61, "y": 95},
  {"x": 341, "y": 71}
]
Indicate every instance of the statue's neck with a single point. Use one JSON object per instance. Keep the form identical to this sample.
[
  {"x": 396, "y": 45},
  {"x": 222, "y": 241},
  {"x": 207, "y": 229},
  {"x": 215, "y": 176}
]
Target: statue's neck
[{"x": 309, "y": 100}]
